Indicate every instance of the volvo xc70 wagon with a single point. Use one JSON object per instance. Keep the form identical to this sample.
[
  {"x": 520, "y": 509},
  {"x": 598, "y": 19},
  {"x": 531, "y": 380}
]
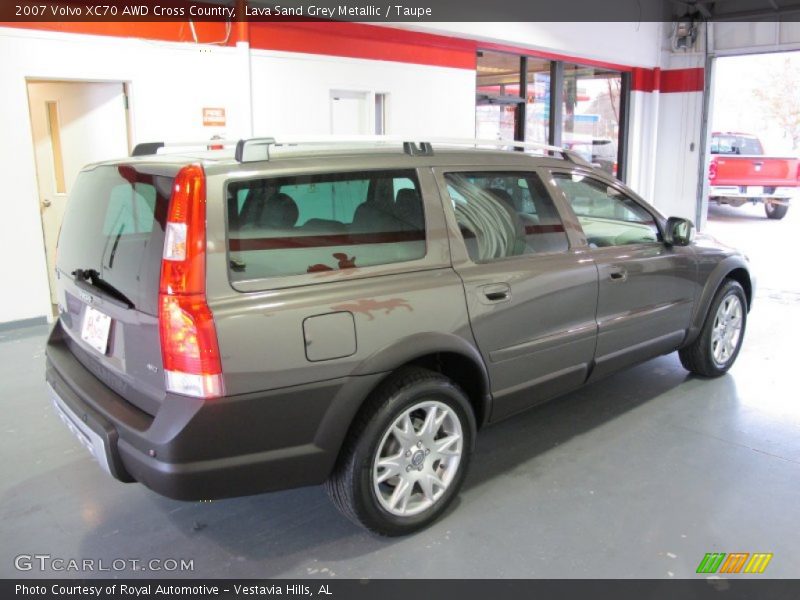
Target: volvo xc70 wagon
[{"x": 281, "y": 315}]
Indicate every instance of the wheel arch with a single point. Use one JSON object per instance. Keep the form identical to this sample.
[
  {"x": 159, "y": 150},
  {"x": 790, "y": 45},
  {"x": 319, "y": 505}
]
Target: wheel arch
[
  {"x": 742, "y": 276},
  {"x": 733, "y": 267},
  {"x": 448, "y": 354}
]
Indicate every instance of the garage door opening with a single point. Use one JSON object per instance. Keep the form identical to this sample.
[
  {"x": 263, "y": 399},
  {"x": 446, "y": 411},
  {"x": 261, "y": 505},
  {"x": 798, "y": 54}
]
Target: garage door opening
[
  {"x": 755, "y": 136},
  {"x": 753, "y": 161}
]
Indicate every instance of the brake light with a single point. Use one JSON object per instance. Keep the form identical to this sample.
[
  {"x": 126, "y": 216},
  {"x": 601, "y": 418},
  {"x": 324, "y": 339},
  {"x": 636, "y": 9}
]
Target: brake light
[
  {"x": 712, "y": 171},
  {"x": 189, "y": 346}
]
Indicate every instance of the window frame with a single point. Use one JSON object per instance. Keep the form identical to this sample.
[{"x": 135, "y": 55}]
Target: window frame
[
  {"x": 658, "y": 218},
  {"x": 556, "y": 93},
  {"x": 460, "y": 254},
  {"x": 259, "y": 284}
]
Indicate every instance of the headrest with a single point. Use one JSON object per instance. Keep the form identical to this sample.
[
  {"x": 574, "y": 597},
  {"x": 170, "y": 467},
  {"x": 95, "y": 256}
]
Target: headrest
[{"x": 280, "y": 211}]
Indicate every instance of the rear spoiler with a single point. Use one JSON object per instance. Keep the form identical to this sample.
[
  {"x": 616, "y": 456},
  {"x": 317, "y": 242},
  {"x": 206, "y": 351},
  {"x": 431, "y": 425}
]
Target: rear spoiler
[
  {"x": 146, "y": 148},
  {"x": 150, "y": 148}
]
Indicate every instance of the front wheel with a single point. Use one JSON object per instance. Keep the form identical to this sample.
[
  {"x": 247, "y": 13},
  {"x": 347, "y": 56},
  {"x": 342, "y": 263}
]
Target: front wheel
[
  {"x": 775, "y": 211},
  {"x": 406, "y": 455},
  {"x": 716, "y": 348}
]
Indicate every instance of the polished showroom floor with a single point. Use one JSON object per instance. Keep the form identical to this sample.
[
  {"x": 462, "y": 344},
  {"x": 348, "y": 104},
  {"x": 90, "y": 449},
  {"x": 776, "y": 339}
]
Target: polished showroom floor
[{"x": 639, "y": 475}]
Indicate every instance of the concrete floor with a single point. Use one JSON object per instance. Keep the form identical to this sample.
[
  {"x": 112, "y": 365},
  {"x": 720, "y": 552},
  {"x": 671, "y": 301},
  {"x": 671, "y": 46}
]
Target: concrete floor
[{"x": 637, "y": 476}]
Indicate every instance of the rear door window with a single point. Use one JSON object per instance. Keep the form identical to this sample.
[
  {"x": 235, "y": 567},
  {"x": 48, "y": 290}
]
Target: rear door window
[
  {"x": 502, "y": 214},
  {"x": 325, "y": 222},
  {"x": 736, "y": 144}
]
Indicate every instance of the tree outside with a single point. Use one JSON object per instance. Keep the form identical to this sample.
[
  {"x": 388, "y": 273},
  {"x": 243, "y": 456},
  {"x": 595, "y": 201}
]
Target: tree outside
[{"x": 760, "y": 94}]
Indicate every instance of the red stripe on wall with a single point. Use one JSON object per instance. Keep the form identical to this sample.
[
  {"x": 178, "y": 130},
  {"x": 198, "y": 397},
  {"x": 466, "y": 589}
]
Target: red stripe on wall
[
  {"x": 645, "y": 80},
  {"x": 357, "y": 40},
  {"x": 683, "y": 80},
  {"x": 354, "y": 40},
  {"x": 668, "y": 81}
]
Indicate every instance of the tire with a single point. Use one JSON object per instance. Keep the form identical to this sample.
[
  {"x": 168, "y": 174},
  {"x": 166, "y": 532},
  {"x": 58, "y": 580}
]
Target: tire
[
  {"x": 354, "y": 485},
  {"x": 706, "y": 356},
  {"x": 775, "y": 211}
]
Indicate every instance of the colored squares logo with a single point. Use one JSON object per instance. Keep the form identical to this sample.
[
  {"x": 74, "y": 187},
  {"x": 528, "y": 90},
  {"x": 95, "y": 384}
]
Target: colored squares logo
[{"x": 736, "y": 562}]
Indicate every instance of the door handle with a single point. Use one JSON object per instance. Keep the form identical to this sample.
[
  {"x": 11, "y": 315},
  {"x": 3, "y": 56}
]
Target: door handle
[
  {"x": 495, "y": 292},
  {"x": 618, "y": 274},
  {"x": 46, "y": 203}
]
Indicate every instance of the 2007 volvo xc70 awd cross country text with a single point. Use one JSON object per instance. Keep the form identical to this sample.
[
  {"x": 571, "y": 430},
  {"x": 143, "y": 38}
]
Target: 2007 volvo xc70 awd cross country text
[{"x": 283, "y": 315}]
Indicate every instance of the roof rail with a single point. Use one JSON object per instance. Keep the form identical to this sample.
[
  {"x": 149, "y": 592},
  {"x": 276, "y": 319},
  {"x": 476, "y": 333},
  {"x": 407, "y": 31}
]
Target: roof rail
[
  {"x": 411, "y": 148},
  {"x": 569, "y": 155},
  {"x": 258, "y": 148}
]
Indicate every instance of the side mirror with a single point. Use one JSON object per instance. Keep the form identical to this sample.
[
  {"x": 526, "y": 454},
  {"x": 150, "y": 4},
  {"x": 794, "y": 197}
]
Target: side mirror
[{"x": 679, "y": 232}]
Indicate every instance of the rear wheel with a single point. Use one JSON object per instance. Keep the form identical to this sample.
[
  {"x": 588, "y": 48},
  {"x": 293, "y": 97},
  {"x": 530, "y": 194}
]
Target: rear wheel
[
  {"x": 775, "y": 211},
  {"x": 716, "y": 348},
  {"x": 406, "y": 455}
]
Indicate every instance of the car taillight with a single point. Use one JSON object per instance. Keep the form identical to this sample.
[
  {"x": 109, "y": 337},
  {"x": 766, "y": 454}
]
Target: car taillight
[
  {"x": 712, "y": 171},
  {"x": 614, "y": 169},
  {"x": 189, "y": 346}
]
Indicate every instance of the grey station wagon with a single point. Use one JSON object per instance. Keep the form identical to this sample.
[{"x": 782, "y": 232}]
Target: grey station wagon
[{"x": 281, "y": 315}]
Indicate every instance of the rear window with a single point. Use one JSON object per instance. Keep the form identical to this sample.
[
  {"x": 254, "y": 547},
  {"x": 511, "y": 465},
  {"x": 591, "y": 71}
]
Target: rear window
[
  {"x": 114, "y": 224},
  {"x": 736, "y": 144},
  {"x": 326, "y": 222}
]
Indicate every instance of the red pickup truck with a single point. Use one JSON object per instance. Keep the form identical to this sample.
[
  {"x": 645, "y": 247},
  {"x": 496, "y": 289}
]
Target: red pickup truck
[{"x": 739, "y": 173}]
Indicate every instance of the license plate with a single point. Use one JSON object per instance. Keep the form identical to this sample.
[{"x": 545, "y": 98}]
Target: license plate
[
  {"x": 95, "y": 329},
  {"x": 755, "y": 190}
]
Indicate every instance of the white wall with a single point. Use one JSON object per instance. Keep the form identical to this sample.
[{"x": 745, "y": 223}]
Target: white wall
[
  {"x": 170, "y": 83},
  {"x": 678, "y": 154},
  {"x": 642, "y": 135},
  {"x": 291, "y": 94},
  {"x": 679, "y": 136}
]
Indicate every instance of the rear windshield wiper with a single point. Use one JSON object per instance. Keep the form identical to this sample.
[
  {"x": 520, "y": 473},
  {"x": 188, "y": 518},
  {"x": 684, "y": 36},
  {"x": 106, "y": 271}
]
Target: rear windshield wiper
[{"x": 90, "y": 280}]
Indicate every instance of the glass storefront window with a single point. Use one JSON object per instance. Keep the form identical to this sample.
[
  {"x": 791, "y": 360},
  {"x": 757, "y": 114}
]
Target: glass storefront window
[
  {"x": 590, "y": 118},
  {"x": 513, "y": 101},
  {"x": 537, "y": 101},
  {"x": 495, "y": 122},
  {"x": 497, "y": 95}
]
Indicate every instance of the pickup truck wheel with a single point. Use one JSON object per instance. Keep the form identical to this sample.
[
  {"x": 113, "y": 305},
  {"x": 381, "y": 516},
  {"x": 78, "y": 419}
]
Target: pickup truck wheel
[
  {"x": 406, "y": 455},
  {"x": 775, "y": 211},
  {"x": 716, "y": 348}
]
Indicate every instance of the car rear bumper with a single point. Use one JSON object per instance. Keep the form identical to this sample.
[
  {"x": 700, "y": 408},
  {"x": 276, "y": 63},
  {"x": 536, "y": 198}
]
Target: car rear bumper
[
  {"x": 753, "y": 192},
  {"x": 196, "y": 449}
]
